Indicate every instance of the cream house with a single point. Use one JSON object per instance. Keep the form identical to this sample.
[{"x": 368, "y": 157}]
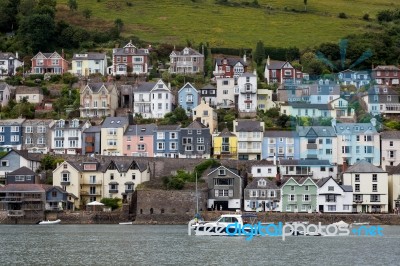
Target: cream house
[
  {"x": 370, "y": 187},
  {"x": 31, "y": 94},
  {"x": 112, "y": 135},
  {"x": 95, "y": 179},
  {"x": 98, "y": 99},
  {"x": 394, "y": 188},
  {"x": 85, "y": 64},
  {"x": 390, "y": 142},
  {"x": 207, "y": 116}
]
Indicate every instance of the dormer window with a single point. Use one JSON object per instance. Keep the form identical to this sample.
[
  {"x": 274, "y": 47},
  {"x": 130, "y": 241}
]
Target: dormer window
[
  {"x": 262, "y": 183},
  {"x": 221, "y": 172}
]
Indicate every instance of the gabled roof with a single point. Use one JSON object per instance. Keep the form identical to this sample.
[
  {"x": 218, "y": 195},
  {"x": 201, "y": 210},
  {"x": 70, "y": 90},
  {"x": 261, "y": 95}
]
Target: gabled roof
[
  {"x": 145, "y": 87},
  {"x": 167, "y": 127},
  {"x": 122, "y": 163},
  {"x": 321, "y": 182},
  {"x": 96, "y": 87},
  {"x": 254, "y": 184},
  {"x": 7, "y": 56},
  {"x": 3, "y": 86},
  {"x": 316, "y": 131},
  {"x": 22, "y": 171},
  {"x": 196, "y": 125},
  {"x": 275, "y": 64},
  {"x": 299, "y": 180},
  {"x": 188, "y": 85},
  {"x": 226, "y": 133},
  {"x": 231, "y": 61},
  {"x": 26, "y": 155},
  {"x": 364, "y": 167},
  {"x": 388, "y": 67},
  {"x": 28, "y": 90},
  {"x": 232, "y": 170},
  {"x": 190, "y": 51}
]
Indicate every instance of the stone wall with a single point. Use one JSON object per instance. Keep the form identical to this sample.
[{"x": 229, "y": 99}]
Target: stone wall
[{"x": 168, "y": 206}]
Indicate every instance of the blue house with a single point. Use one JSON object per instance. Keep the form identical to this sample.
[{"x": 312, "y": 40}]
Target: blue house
[
  {"x": 58, "y": 199},
  {"x": 188, "y": 98},
  {"x": 279, "y": 144},
  {"x": 165, "y": 141},
  {"x": 11, "y": 134}
]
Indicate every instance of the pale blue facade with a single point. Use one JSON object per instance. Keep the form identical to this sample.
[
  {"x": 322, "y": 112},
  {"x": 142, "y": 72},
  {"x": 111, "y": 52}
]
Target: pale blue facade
[
  {"x": 280, "y": 144},
  {"x": 188, "y": 97}
]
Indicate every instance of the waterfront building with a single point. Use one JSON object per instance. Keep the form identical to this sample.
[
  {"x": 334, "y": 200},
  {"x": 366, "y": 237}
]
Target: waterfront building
[
  {"x": 262, "y": 194},
  {"x": 299, "y": 195},
  {"x": 333, "y": 197}
]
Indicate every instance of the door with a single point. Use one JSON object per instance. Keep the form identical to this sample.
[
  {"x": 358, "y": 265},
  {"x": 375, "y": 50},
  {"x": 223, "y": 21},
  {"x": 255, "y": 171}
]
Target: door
[{"x": 321, "y": 208}]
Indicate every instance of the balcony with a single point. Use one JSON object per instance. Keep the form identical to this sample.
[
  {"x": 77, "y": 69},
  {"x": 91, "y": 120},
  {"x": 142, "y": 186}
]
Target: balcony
[
  {"x": 128, "y": 191},
  {"x": 330, "y": 200},
  {"x": 15, "y": 213},
  {"x": 65, "y": 183},
  {"x": 312, "y": 146},
  {"x": 113, "y": 191},
  {"x": 184, "y": 64},
  {"x": 248, "y": 90},
  {"x": 340, "y": 106}
]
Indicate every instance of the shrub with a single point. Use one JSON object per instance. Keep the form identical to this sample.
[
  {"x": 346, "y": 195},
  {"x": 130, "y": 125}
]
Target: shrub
[
  {"x": 366, "y": 17},
  {"x": 342, "y": 15},
  {"x": 113, "y": 203}
]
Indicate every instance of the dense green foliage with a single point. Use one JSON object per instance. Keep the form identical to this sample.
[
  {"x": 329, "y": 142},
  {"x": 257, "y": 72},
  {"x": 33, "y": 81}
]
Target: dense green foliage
[{"x": 112, "y": 203}]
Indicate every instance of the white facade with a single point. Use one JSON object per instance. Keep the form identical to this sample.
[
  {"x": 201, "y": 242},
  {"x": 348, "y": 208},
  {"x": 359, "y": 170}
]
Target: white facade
[
  {"x": 86, "y": 64},
  {"x": 264, "y": 170},
  {"x": 334, "y": 198},
  {"x": 247, "y": 100},
  {"x": 390, "y": 143},
  {"x": 9, "y": 64},
  {"x": 226, "y": 92},
  {"x": 161, "y": 99},
  {"x": 66, "y": 136}
]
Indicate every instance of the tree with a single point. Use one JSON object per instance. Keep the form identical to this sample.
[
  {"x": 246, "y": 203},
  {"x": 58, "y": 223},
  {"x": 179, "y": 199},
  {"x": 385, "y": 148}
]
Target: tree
[
  {"x": 259, "y": 53},
  {"x": 118, "y": 24},
  {"x": 87, "y": 13},
  {"x": 305, "y": 5},
  {"x": 73, "y": 5},
  {"x": 113, "y": 203}
]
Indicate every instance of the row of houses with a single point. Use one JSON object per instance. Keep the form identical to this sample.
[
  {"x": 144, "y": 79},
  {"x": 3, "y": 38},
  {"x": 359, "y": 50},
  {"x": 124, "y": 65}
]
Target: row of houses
[
  {"x": 340, "y": 143},
  {"x": 286, "y": 186}
]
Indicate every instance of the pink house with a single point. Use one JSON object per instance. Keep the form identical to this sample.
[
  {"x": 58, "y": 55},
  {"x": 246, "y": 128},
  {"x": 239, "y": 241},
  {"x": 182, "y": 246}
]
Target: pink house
[
  {"x": 52, "y": 63},
  {"x": 138, "y": 140}
]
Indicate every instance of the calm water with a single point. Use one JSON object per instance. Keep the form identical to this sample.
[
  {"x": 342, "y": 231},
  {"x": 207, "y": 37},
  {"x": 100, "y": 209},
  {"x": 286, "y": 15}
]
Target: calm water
[{"x": 170, "y": 245}]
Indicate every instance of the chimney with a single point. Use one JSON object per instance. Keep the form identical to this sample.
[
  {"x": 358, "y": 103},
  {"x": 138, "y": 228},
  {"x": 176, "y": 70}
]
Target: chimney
[
  {"x": 131, "y": 121},
  {"x": 244, "y": 58},
  {"x": 333, "y": 122},
  {"x": 62, "y": 53},
  {"x": 16, "y": 55},
  {"x": 268, "y": 61},
  {"x": 169, "y": 85},
  {"x": 344, "y": 166},
  {"x": 373, "y": 122}
]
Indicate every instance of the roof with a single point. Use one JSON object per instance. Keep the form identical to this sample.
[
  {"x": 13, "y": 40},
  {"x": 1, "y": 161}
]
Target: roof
[
  {"x": 188, "y": 85},
  {"x": 280, "y": 134},
  {"x": 346, "y": 188},
  {"x": 22, "y": 188},
  {"x": 388, "y": 67},
  {"x": 28, "y": 90},
  {"x": 93, "y": 129},
  {"x": 115, "y": 122},
  {"x": 168, "y": 127},
  {"x": 254, "y": 184},
  {"x": 395, "y": 170},
  {"x": 299, "y": 180},
  {"x": 95, "y": 87},
  {"x": 231, "y": 61},
  {"x": 232, "y": 170},
  {"x": 17, "y": 121},
  {"x": 196, "y": 125},
  {"x": 274, "y": 64},
  {"x": 190, "y": 51},
  {"x": 6, "y": 55},
  {"x": 355, "y": 128},
  {"x": 89, "y": 56},
  {"x": 248, "y": 126},
  {"x": 208, "y": 87},
  {"x": 145, "y": 87},
  {"x": 248, "y": 74},
  {"x": 122, "y": 163},
  {"x": 393, "y": 134},
  {"x": 364, "y": 167},
  {"x": 263, "y": 163},
  {"x": 22, "y": 171},
  {"x": 25, "y": 154},
  {"x": 226, "y": 133},
  {"x": 319, "y": 106},
  {"x": 317, "y": 131},
  {"x": 140, "y": 130},
  {"x": 3, "y": 86},
  {"x": 304, "y": 162}
]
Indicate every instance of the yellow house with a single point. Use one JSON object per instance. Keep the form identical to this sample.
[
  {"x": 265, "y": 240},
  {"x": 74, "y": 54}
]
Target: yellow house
[
  {"x": 225, "y": 145},
  {"x": 85, "y": 64},
  {"x": 207, "y": 116},
  {"x": 112, "y": 135},
  {"x": 67, "y": 176},
  {"x": 394, "y": 188},
  {"x": 264, "y": 99}
]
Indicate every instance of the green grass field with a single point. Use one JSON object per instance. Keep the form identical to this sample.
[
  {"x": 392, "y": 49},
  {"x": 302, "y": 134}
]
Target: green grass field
[{"x": 275, "y": 22}]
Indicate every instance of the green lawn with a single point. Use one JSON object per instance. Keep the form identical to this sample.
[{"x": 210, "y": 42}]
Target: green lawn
[{"x": 274, "y": 23}]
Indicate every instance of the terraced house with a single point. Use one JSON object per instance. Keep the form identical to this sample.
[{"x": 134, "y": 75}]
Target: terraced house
[
  {"x": 225, "y": 145},
  {"x": 36, "y": 135},
  {"x": 250, "y": 137},
  {"x": 85, "y": 64},
  {"x": 299, "y": 195},
  {"x": 195, "y": 141},
  {"x": 98, "y": 100},
  {"x": 66, "y": 136},
  {"x": 112, "y": 132},
  {"x": 262, "y": 194}
]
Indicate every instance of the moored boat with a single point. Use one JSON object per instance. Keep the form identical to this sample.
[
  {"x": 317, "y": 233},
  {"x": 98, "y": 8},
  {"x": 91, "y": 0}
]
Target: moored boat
[{"x": 50, "y": 222}]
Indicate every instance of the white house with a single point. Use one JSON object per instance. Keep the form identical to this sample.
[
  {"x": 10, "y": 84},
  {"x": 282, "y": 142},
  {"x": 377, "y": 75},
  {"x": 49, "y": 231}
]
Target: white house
[
  {"x": 313, "y": 168},
  {"x": 247, "y": 99},
  {"x": 89, "y": 63},
  {"x": 9, "y": 64},
  {"x": 333, "y": 197},
  {"x": 5, "y": 94},
  {"x": 264, "y": 169},
  {"x": 262, "y": 194},
  {"x": 226, "y": 92},
  {"x": 370, "y": 187},
  {"x": 390, "y": 142}
]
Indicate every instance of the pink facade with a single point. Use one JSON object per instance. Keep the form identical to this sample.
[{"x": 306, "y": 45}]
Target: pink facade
[
  {"x": 52, "y": 63},
  {"x": 138, "y": 141}
]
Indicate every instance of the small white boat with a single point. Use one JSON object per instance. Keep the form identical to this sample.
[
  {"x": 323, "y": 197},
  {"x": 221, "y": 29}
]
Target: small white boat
[
  {"x": 360, "y": 223},
  {"x": 342, "y": 224},
  {"x": 50, "y": 222},
  {"x": 125, "y": 223}
]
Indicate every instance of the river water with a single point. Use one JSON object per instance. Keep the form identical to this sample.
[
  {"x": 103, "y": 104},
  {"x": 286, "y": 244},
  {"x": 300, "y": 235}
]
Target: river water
[{"x": 171, "y": 245}]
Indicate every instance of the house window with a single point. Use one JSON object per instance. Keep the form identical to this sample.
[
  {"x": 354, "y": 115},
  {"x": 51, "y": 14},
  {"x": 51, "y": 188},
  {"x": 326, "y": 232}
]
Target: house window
[
  {"x": 160, "y": 135},
  {"x": 172, "y": 146},
  {"x": 332, "y": 208},
  {"x": 65, "y": 177},
  {"x": 112, "y": 176},
  {"x": 331, "y": 188},
  {"x": 271, "y": 193},
  {"x": 140, "y": 147},
  {"x": 160, "y": 146},
  {"x": 357, "y": 187},
  {"x": 172, "y": 135},
  {"x": 221, "y": 172},
  {"x": 306, "y": 188},
  {"x": 306, "y": 197},
  {"x": 357, "y": 178},
  {"x": 391, "y": 143},
  {"x": 292, "y": 188},
  {"x": 291, "y": 197},
  {"x": 374, "y": 187},
  {"x": 133, "y": 176},
  {"x": 374, "y": 177}
]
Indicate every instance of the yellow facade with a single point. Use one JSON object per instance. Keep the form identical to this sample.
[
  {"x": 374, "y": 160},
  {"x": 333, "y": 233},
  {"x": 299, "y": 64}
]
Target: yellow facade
[{"x": 225, "y": 146}]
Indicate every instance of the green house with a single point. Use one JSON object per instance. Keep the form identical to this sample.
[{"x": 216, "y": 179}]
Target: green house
[{"x": 299, "y": 195}]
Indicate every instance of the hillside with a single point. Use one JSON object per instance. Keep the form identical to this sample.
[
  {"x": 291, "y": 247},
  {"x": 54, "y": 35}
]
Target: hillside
[{"x": 282, "y": 23}]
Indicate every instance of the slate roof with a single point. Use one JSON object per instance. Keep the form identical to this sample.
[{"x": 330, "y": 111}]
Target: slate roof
[
  {"x": 248, "y": 74},
  {"x": 322, "y": 181},
  {"x": 95, "y": 87},
  {"x": 115, "y": 122},
  {"x": 22, "y": 171},
  {"x": 22, "y": 188},
  {"x": 93, "y": 129},
  {"x": 121, "y": 162},
  {"x": 299, "y": 180},
  {"x": 196, "y": 125},
  {"x": 388, "y": 67},
  {"x": 351, "y": 128},
  {"x": 254, "y": 184},
  {"x": 140, "y": 130},
  {"x": 280, "y": 134},
  {"x": 191, "y": 52},
  {"x": 168, "y": 127},
  {"x": 248, "y": 126},
  {"x": 364, "y": 167},
  {"x": 263, "y": 163},
  {"x": 188, "y": 85},
  {"x": 145, "y": 87},
  {"x": 230, "y": 61},
  {"x": 208, "y": 87},
  {"x": 28, "y": 90},
  {"x": 3, "y": 86},
  {"x": 226, "y": 133},
  {"x": 394, "y": 170},
  {"x": 6, "y": 56},
  {"x": 393, "y": 134},
  {"x": 347, "y": 188},
  {"x": 233, "y": 170},
  {"x": 89, "y": 56},
  {"x": 320, "y": 131},
  {"x": 16, "y": 121},
  {"x": 305, "y": 162},
  {"x": 274, "y": 64},
  {"x": 319, "y": 106}
]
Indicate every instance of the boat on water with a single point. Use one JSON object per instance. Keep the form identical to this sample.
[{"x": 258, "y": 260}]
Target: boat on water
[
  {"x": 126, "y": 223},
  {"x": 360, "y": 223},
  {"x": 342, "y": 224},
  {"x": 50, "y": 222}
]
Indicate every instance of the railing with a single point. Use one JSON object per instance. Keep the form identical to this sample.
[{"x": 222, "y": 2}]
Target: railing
[
  {"x": 312, "y": 146},
  {"x": 330, "y": 200},
  {"x": 113, "y": 191},
  {"x": 16, "y": 213}
]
